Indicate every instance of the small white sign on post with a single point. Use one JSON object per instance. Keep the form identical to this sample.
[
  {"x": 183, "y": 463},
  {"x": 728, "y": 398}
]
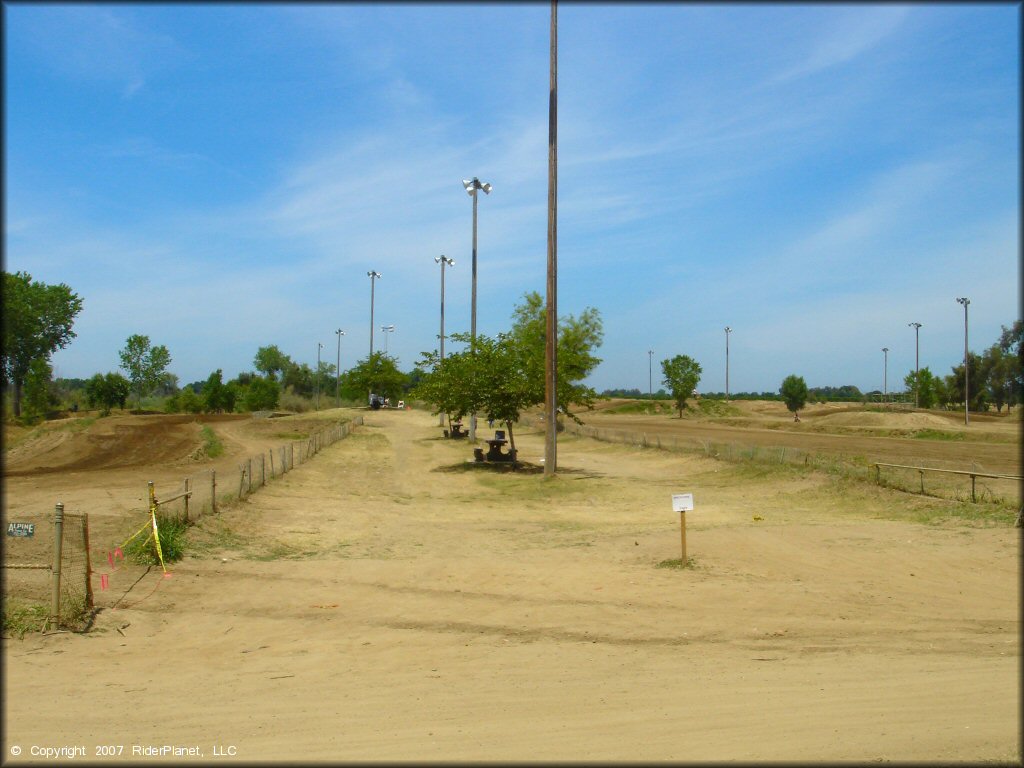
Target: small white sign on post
[{"x": 682, "y": 502}]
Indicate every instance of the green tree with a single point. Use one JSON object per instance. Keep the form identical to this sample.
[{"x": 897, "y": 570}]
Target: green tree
[
  {"x": 40, "y": 395},
  {"x": 924, "y": 384},
  {"x": 217, "y": 396},
  {"x": 271, "y": 361},
  {"x": 104, "y": 391},
  {"x": 794, "y": 394},
  {"x": 681, "y": 375},
  {"x": 379, "y": 374},
  {"x": 1011, "y": 343},
  {"x": 489, "y": 379},
  {"x": 976, "y": 389},
  {"x": 262, "y": 394},
  {"x": 578, "y": 337},
  {"x": 185, "y": 400},
  {"x": 144, "y": 364},
  {"x": 37, "y": 320}
]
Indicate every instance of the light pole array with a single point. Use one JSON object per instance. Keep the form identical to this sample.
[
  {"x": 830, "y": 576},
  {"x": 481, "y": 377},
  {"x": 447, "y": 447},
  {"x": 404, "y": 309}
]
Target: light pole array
[
  {"x": 472, "y": 186},
  {"x": 965, "y": 301},
  {"x": 728, "y": 330},
  {"x": 443, "y": 261},
  {"x": 319, "y": 346},
  {"x": 917, "y": 363},
  {"x": 388, "y": 330},
  {"x": 885, "y": 375},
  {"x": 337, "y": 385},
  {"x": 373, "y": 276}
]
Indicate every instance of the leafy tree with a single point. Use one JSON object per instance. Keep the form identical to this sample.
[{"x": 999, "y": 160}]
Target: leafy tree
[
  {"x": 794, "y": 394},
  {"x": 999, "y": 373},
  {"x": 185, "y": 400},
  {"x": 40, "y": 395},
  {"x": 578, "y": 337},
  {"x": 1011, "y": 343},
  {"x": 37, "y": 320},
  {"x": 488, "y": 379},
  {"x": 976, "y": 389},
  {"x": 144, "y": 364},
  {"x": 300, "y": 378},
  {"x": 107, "y": 390},
  {"x": 217, "y": 396},
  {"x": 271, "y": 361},
  {"x": 681, "y": 375},
  {"x": 262, "y": 394},
  {"x": 379, "y": 374},
  {"x": 925, "y": 385}
]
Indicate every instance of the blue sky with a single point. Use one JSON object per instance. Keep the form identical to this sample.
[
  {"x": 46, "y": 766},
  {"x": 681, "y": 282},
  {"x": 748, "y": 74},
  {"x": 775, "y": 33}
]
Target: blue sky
[{"x": 816, "y": 177}]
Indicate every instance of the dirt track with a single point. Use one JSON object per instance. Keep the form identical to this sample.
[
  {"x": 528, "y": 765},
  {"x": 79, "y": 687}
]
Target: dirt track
[{"x": 384, "y": 602}]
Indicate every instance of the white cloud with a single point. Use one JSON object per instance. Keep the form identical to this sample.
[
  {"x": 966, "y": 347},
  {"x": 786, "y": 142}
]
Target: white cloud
[{"x": 854, "y": 32}]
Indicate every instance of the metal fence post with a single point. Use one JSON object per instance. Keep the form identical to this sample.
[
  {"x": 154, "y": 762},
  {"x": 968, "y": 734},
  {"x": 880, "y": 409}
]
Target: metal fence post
[
  {"x": 186, "y": 499},
  {"x": 213, "y": 490},
  {"x": 88, "y": 562},
  {"x": 58, "y": 546}
]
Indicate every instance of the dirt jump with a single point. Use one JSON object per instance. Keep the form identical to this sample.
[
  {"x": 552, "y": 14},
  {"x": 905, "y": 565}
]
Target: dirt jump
[{"x": 392, "y": 599}]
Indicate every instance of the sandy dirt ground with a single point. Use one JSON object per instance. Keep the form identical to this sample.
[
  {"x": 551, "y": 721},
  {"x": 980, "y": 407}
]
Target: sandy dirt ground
[{"x": 387, "y": 601}]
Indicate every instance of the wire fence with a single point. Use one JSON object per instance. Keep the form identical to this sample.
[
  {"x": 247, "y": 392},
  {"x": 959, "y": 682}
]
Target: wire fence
[
  {"x": 1003, "y": 489},
  {"x": 47, "y": 573},
  {"x": 203, "y": 492},
  {"x": 46, "y": 569}
]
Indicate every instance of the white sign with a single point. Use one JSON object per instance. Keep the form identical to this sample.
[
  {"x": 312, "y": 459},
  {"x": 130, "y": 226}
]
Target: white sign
[{"x": 682, "y": 502}]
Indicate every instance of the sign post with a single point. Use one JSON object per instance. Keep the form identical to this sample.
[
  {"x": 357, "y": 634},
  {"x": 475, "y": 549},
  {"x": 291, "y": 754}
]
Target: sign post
[{"x": 682, "y": 503}]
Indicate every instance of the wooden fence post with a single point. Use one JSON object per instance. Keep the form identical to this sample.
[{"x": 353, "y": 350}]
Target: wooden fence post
[
  {"x": 58, "y": 547},
  {"x": 263, "y": 470},
  {"x": 249, "y": 463},
  {"x": 186, "y": 499},
  {"x": 271, "y": 462}
]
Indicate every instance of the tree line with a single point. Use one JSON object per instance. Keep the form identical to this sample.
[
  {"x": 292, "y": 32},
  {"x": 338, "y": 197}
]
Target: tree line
[{"x": 497, "y": 377}]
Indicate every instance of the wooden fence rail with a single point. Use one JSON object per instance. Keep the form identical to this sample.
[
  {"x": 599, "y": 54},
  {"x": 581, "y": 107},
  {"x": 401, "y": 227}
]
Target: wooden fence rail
[{"x": 971, "y": 473}]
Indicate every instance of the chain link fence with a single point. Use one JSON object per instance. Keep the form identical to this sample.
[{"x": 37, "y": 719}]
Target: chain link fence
[{"x": 46, "y": 570}]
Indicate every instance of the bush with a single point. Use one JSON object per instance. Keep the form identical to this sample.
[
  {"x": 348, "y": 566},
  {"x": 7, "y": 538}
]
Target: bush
[{"x": 172, "y": 543}]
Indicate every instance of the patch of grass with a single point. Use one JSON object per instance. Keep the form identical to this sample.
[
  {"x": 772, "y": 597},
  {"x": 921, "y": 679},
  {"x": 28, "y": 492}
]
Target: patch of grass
[
  {"x": 213, "y": 534},
  {"x": 717, "y": 408},
  {"x": 937, "y": 434},
  {"x": 212, "y": 446},
  {"x": 173, "y": 542},
  {"x": 22, "y": 618},
  {"x": 676, "y": 564}
]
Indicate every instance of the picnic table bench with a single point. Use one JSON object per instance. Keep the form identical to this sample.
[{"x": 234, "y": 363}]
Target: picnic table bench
[
  {"x": 456, "y": 431},
  {"x": 494, "y": 452}
]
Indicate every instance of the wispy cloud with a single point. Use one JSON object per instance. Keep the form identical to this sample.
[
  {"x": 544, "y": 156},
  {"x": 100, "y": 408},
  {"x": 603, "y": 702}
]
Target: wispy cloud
[
  {"x": 851, "y": 34},
  {"x": 96, "y": 44}
]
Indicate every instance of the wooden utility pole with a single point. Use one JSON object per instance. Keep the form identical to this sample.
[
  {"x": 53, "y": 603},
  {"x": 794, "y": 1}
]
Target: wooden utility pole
[{"x": 551, "y": 341}]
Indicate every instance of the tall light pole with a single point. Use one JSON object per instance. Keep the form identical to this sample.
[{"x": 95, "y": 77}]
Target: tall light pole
[
  {"x": 337, "y": 385},
  {"x": 965, "y": 301},
  {"x": 373, "y": 276},
  {"x": 650, "y": 374},
  {"x": 472, "y": 186},
  {"x": 442, "y": 260},
  {"x": 388, "y": 330},
  {"x": 885, "y": 375},
  {"x": 319, "y": 346},
  {"x": 551, "y": 320},
  {"x": 728, "y": 330},
  {"x": 917, "y": 363}
]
